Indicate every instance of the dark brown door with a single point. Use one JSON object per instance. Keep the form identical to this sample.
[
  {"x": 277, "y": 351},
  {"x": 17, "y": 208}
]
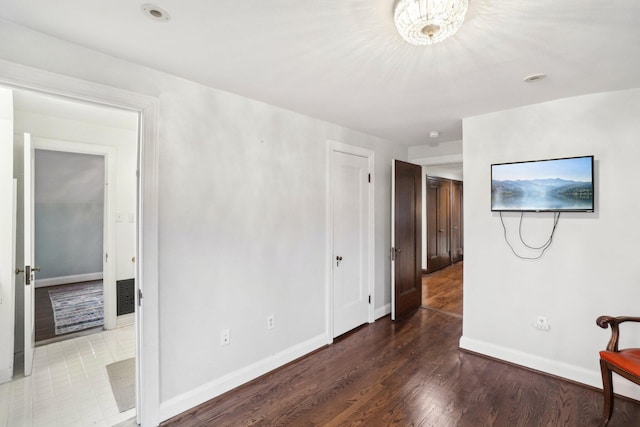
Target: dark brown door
[
  {"x": 438, "y": 223},
  {"x": 457, "y": 232},
  {"x": 406, "y": 239}
]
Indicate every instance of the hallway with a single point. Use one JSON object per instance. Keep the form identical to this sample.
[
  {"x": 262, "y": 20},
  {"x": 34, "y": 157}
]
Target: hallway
[{"x": 442, "y": 290}]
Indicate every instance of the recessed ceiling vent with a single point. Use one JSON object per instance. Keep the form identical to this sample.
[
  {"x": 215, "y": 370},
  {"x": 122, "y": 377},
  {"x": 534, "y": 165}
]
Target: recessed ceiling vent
[
  {"x": 534, "y": 78},
  {"x": 155, "y": 12}
]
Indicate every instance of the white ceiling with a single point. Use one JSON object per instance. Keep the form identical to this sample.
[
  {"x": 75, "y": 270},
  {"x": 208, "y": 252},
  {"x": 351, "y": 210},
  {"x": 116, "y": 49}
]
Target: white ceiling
[{"x": 343, "y": 61}]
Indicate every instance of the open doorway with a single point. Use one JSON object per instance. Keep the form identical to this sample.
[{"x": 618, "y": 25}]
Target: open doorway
[
  {"x": 443, "y": 238},
  {"x": 14, "y": 77},
  {"x": 69, "y": 209},
  {"x": 65, "y": 134}
]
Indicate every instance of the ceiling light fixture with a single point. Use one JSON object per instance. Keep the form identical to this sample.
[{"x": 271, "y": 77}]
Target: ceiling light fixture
[
  {"x": 424, "y": 22},
  {"x": 434, "y": 134},
  {"x": 156, "y": 13}
]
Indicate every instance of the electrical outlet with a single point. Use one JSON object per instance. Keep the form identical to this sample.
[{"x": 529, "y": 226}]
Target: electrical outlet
[
  {"x": 542, "y": 324},
  {"x": 225, "y": 338},
  {"x": 270, "y": 322}
]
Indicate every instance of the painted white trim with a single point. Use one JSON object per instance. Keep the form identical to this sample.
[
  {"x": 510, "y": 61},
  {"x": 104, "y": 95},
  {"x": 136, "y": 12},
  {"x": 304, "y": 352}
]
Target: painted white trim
[
  {"x": 148, "y": 313},
  {"x": 591, "y": 377},
  {"x": 372, "y": 237},
  {"x": 125, "y": 320},
  {"x": 382, "y": 311},
  {"x": 439, "y": 160},
  {"x": 28, "y": 160},
  {"x": 208, "y": 391},
  {"x": 109, "y": 226},
  {"x": 6, "y": 374},
  {"x": 351, "y": 149},
  {"x": 328, "y": 286},
  {"x": 63, "y": 280},
  {"x": 339, "y": 147},
  {"x": 147, "y": 317}
]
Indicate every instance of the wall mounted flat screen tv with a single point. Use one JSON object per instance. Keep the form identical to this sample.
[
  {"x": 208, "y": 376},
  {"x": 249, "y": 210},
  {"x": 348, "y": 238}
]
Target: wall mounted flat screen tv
[{"x": 554, "y": 185}]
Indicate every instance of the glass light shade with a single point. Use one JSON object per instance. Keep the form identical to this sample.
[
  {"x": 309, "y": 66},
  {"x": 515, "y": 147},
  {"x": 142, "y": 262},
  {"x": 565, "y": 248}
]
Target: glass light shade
[{"x": 424, "y": 22}]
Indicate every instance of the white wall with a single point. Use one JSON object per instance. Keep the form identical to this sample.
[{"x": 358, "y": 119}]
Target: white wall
[
  {"x": 436, "y": 153},
  {"x": 591, "y": 268},
  {"x": 7, "y": 214},
  {"x": 69, "y": 214},
  {"x": 243, "y": 233},
  {"x": 242, "y": 211},
  {"x": 65, "y": 129}
]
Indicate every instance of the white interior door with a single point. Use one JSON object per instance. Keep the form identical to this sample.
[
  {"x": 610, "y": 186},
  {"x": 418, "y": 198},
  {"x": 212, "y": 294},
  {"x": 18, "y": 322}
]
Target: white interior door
[
  {"x": 350, "y": 180},
  {"x": 29, "y": 259}
]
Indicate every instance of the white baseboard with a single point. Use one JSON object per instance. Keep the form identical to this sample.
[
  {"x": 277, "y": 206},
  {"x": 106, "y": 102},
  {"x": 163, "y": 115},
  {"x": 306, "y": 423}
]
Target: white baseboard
[
  {"x": 208, "y": 391},
  {"x": 6, "y": 374},
  {"x": 382, "y": 311},
  {"x": 590, "y": 377},
  {"x": 125, "y": 320},
  {"x": 63, "y": 280}
]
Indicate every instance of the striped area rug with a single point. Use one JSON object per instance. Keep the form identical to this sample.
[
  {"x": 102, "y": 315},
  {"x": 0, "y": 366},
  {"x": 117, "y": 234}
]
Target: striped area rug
[{"x": 77, "y": 307}]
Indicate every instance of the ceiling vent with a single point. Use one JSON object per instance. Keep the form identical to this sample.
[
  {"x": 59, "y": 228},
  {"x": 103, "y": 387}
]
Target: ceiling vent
[
  {"x": 534, "y": 78},
  {"x": 156, "y": 13}
]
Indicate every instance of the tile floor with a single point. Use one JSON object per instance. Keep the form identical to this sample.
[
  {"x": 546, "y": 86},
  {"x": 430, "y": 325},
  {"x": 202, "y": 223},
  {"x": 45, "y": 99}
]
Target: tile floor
[{"x": 69, "y": 385}]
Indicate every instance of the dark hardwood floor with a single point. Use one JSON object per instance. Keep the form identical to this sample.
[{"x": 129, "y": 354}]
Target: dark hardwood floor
[
  {"x": 44, "y": 324},
  {"x": 406, "y": 373},
  {"x": 442, "y": 289}
]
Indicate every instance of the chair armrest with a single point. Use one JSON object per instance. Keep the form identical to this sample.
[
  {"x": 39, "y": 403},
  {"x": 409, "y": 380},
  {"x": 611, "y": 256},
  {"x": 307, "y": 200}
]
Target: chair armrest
[{"x": 606, "y": 321}]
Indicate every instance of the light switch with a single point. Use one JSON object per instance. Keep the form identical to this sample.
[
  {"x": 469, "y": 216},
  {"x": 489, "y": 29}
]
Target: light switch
[
  {"x": 118, "y": 216},
  {"x": 132, "y": 217}
]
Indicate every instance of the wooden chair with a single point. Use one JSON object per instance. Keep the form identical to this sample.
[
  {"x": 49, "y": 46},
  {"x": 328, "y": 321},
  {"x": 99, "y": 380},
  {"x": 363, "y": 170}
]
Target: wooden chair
[{"x": 625, "y": 362}]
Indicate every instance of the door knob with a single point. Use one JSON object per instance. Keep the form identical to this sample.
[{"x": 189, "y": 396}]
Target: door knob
[
  {"x": 338, "y": 259},
  {"x": 18, "y": 271},
  {"x": 28, "y": 273}
]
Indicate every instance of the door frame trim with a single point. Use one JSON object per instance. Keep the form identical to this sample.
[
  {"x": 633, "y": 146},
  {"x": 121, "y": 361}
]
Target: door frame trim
[
  {"x": 109, "y": 215},
  {"x": 335, "y": 146},
  {"x": 16, "y": 76}
]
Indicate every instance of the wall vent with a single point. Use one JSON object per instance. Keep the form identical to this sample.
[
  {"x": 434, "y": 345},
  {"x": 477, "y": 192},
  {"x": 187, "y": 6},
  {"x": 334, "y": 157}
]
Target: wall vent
[{"x": 126, "y": 296}]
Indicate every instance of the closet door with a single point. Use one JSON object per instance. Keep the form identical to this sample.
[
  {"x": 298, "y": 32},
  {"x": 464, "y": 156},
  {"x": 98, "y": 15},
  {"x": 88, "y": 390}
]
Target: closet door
[
  {"x": 457, "y": 235},
  {"x": 438, "y": 223}
]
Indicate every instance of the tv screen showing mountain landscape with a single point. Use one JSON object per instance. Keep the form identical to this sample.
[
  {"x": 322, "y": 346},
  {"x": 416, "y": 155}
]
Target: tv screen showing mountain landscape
[{"x": 544, "y": 185}]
